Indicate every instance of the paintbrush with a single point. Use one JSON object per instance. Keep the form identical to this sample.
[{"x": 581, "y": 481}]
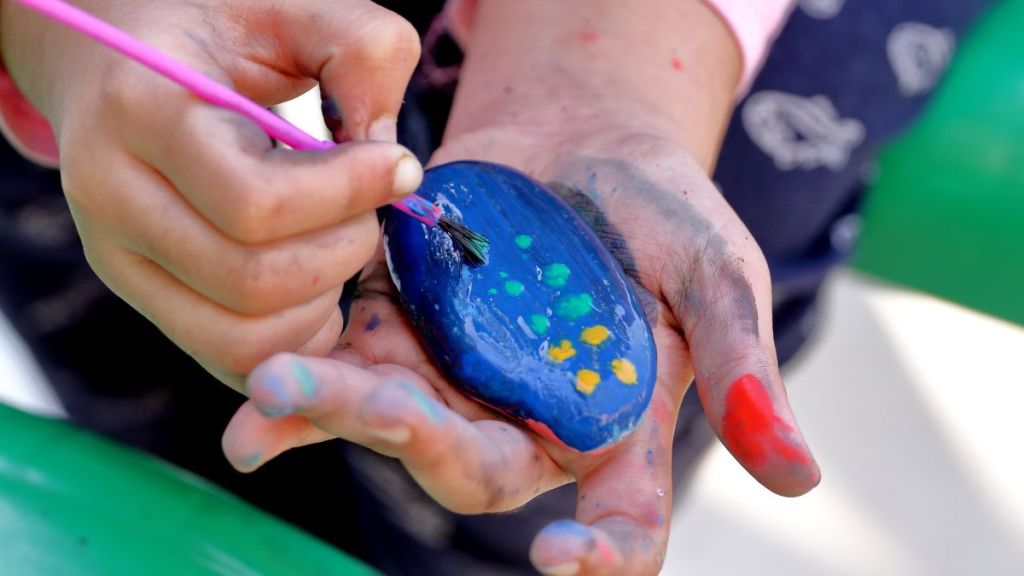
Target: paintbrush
[{"x": 474, "y": 245}]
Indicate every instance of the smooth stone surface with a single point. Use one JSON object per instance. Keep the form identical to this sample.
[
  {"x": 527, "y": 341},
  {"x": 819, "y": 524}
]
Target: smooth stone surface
[{"x": 548, "y": 331}]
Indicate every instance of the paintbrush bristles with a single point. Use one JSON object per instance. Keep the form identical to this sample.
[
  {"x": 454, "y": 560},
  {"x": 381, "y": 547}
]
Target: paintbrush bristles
[{"x": 474, "y": 245}]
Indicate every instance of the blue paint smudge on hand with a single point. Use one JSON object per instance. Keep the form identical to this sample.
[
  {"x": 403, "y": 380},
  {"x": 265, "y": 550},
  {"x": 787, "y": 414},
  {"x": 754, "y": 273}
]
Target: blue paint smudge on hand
[{"x": 373, "y": 323}]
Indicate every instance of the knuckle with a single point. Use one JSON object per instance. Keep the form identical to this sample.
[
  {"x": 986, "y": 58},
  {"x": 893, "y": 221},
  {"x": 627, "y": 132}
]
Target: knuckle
[
  {"x": 82, "y": 185},
  {"x": 252, "y": 288},
  {"x": 126, "y": 92},
  {"x": 366, "y": 238},
  {"x": 247, "y": 209},
  {"x": 388, "y": 38},
  {"x": 247, "y": 348}
]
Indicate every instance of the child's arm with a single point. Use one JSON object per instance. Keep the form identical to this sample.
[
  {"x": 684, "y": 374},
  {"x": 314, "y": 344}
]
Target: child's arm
[
  {"x": 236, "y": 250},
  {"x": 620, "y": 106},
  {"x": 626, "y": 104}
]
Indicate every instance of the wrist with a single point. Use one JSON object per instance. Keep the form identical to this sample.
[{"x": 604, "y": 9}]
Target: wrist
[{"x": 547, "y": 67}]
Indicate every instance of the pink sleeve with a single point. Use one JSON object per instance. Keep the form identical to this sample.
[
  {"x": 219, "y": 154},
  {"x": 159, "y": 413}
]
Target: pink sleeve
[
  {"x": 755, "y": 23},
  {"x": 25, "y": 128}
]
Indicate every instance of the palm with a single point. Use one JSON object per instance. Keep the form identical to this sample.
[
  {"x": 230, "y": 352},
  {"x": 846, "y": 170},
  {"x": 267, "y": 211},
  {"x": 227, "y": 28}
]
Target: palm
[
  {"x": 706, "y": 292},
  {"x": 380, "y": 333}
]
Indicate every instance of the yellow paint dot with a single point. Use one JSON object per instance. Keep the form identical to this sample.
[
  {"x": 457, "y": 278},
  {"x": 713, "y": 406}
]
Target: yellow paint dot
[
  {"x": 587, "y": 381},
  {"x": 624, "y": 370},
  {"x": 562, "y": 352},
  {"x": 595, "y": 335}
]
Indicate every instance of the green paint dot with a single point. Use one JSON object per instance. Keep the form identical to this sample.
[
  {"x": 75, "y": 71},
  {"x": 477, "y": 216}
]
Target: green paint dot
[
  {"x": 539, "y": 324},
  {"x": 503, "y": 274},
  {"x": 524, "y": 241},
  {"x": 556, "y": 275},
  {"x": 492, "y": 291},
  {"x": 307, "y": 382},
  {"x": 514, "y": 288},
  {"x": 574, "y": 306}
]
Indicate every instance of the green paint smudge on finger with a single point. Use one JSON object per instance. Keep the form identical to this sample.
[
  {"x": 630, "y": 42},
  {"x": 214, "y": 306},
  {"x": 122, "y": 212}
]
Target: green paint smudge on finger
[
  {"x": 429, "y": 407},
  {"x": 307, "y": 383},
  {"x": 251, "y": 462}
]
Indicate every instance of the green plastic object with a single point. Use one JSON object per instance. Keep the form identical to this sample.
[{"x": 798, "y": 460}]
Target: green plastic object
[
  {"x": 947, "y": 213},
  {"x": 73, "y": 504}
]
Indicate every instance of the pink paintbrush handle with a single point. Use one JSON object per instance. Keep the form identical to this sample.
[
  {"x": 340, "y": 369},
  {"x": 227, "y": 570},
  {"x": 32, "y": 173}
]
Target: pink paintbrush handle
[{"x": 213, "y": 92}]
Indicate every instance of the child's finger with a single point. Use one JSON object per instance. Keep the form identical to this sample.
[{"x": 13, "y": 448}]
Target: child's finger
[
  {"x": 623, "y": 509},
  {"x": 226, "y": 169},
  {"x": 363, "y": 54},
  {"x": 252, "y": 439},
  {"x": 469, "y": 467},
  {"x": 249, "y": 279},
  {"x": 231, "y": 343},
  {"x": 723, "y": 300}
]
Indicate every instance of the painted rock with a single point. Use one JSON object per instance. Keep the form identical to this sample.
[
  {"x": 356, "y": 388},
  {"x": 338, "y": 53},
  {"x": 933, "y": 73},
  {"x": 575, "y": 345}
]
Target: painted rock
[{"x": 548, "y": 331}]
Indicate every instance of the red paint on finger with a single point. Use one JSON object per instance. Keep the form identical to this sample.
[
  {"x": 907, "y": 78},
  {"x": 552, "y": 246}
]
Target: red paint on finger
[
  {"x": 752, "y": 430},
  {"x": 605, "y": 552}
]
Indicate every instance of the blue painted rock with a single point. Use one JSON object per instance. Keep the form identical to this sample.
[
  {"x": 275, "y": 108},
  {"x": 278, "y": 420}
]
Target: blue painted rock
[{"x": 548, "y": 331}]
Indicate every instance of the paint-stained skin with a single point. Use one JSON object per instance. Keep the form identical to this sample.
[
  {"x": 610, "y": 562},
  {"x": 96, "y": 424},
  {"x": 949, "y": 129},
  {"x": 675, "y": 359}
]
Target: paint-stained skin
[
  {"x": 373, "y": 323},
  {"x": 426, "y": 405},
  {"x": 588, "y": 36},
  {"x": 280, "y": 403},
  {"x": 305, "y": 379},
  {"x": 331, "y": 113},
  {"x": 752, "y": 430},
  {"x": 609, "y": 178},
  {"x": 704, "y": 282},
  {"x": 250, "y": 461}
]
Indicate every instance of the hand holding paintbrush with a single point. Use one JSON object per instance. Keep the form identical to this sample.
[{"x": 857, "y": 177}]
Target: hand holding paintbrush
[
  {"x": 233, "y": 248},
  {"x": 474, "y": 244}
]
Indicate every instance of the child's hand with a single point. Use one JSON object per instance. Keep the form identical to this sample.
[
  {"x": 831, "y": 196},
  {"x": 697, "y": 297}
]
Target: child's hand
[
  {"x": 708, "y": 292},
  {"x": 235, "y": 249}
]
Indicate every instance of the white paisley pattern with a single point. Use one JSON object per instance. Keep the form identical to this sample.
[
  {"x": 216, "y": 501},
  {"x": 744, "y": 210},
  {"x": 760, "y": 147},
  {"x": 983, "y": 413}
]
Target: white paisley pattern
[
  {"x": 919, "y": 54},
  {"x": 800, "y": 132},
  {"x": 822, "y": 9}
]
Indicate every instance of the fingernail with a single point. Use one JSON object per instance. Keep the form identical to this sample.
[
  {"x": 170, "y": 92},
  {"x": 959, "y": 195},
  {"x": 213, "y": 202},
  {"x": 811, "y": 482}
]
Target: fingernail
[
  {"x": 399, "y": 435},
  {"x": 274, "y": 412},
  {"x": 565, "y": 542},
  {"x": 250, "y": 462},
  {"x": 567, "y": 569},
  {"x": 280, "y": 404},
  {"x": 383, "y": 130},
  {"x": 408, "y": 175}
]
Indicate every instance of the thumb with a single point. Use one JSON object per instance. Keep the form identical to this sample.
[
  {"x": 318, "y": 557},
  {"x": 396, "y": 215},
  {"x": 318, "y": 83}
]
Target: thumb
[
  {"x": 723, "y": 302},
  {"x": 363, "y": 54}
]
